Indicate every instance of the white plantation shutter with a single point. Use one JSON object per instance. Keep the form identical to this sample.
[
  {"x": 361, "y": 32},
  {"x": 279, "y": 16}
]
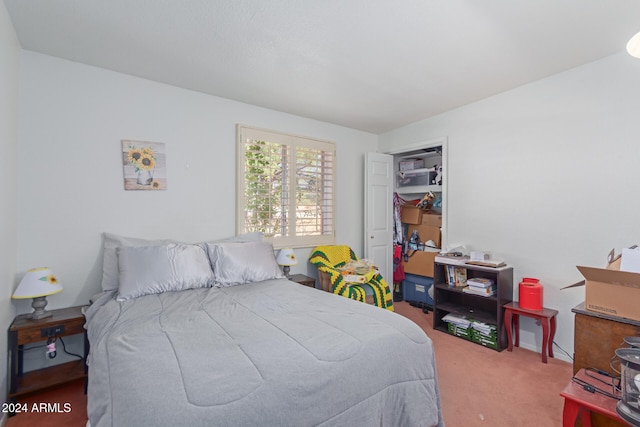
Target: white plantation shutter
[{"x": 286, "y": 187}]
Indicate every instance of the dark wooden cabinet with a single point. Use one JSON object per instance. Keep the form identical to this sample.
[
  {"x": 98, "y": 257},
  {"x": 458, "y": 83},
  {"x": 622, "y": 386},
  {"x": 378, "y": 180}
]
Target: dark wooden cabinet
[
  {"x": 597, "y": 336},
  {"x": 449, "y": 299}
]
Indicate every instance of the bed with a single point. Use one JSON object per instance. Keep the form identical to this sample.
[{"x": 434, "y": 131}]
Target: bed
[{"x": 183, "y": 342}]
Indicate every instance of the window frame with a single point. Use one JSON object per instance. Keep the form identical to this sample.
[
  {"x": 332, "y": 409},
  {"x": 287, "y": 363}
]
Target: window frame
[{"x": 244, "y": 132}]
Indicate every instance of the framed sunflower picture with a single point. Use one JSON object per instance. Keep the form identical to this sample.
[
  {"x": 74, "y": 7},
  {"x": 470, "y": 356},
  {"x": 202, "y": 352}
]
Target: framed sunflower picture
[{"x": 144, "y": 165}]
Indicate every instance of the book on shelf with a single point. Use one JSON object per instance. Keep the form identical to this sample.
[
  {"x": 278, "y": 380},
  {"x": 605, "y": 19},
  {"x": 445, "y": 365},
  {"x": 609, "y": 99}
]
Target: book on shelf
[
  {"x": 485, "y": 292},
  {"x": 449, "y": 275},
  {"x": 479, "y": 282},
  {"x": 460, "y": 276},
  {"x": 456, "y": 276}
]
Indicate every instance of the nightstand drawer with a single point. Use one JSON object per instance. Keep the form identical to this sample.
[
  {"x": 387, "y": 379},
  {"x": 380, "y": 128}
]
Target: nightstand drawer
[
  {"x": 30, "y": 331},
  {"x": 35, "y": 333}
]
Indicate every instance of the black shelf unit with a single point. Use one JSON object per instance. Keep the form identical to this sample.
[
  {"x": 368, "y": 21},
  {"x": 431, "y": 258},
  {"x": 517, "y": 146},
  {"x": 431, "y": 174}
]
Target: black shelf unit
[{"x": 448, "y": 299}]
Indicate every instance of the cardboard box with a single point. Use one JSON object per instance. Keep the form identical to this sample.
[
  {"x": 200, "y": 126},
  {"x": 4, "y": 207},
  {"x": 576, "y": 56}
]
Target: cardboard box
[
  {"x": 411, "y": 214},
  {"x": 420, "y": 263},
  {"x": 613, "y": 292},
  {"x": 610, "y": 290},
  {"x": 490, "y": 340},
  {"x": 431, "y": 219},
  {"x": 426, "y": 232},
  {"x": 459, "y": 331}
]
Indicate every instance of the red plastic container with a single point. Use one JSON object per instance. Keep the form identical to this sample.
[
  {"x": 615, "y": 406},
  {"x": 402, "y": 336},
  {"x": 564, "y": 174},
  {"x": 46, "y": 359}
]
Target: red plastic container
[{"x": 531, "y": 294}]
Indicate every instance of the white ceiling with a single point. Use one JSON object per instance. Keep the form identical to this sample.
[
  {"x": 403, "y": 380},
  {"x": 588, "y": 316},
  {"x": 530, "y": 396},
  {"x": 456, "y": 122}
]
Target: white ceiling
[{"x": 373, "y": 65}]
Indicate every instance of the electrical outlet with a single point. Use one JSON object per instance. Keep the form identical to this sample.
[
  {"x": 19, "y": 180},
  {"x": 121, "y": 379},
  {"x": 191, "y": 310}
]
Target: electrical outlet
[{"x": 52, "y": 331}]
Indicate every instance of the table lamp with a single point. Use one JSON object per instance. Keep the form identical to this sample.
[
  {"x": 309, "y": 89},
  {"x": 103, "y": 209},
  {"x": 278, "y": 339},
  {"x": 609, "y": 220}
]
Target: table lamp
[
  {"x": 286, "y": 258},
  {"x": 37, "y": 283}
]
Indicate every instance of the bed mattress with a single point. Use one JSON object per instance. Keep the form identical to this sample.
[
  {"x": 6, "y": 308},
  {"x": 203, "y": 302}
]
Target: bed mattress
[{"x": 271, "y": 353}]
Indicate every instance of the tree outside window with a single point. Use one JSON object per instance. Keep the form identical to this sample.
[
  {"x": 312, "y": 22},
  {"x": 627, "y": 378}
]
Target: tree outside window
[{"x": 286, "y": 187}]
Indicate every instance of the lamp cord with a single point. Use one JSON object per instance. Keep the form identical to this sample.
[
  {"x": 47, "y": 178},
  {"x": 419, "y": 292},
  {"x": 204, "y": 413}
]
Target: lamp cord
[
  {"x": 593, "y": 389},
  {"x": 64, "y": 348},
  {"x": 613, "y": 382},
  {"x": 49, "y": 341},
  {"x": 563, "y": 350}
]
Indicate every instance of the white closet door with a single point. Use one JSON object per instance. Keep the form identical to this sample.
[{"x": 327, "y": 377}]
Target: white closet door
[{"x": 378, "y": 213}]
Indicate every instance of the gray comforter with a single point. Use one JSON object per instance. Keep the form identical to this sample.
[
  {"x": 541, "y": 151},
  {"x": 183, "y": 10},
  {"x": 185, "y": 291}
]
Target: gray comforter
[{"x": 272, "y": 353}]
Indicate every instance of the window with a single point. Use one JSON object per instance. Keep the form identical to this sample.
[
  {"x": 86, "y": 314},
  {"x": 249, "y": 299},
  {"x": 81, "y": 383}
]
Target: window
[{"x": 286, "y": 187}]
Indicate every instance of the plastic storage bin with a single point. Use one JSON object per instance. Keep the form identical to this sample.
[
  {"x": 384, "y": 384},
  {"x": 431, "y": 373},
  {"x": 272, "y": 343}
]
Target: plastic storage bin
[
  {"x": 416, "y": 177},
  {"x": 415, "y": 290},
  {"x": 411, "y": 164}
]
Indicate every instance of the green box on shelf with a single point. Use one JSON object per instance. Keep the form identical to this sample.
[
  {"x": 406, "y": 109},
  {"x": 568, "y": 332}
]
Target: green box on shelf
[
  {"x": 459, "y": 331},
  {"x": 487, "y": 340}
]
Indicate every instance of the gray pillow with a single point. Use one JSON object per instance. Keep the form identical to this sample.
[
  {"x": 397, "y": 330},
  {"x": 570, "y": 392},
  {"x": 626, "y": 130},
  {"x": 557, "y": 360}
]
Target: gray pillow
[
  {"x": 237, "y": 263},
  {"x": 112, "y": 242},
  {"x": 156, "y": 269}
]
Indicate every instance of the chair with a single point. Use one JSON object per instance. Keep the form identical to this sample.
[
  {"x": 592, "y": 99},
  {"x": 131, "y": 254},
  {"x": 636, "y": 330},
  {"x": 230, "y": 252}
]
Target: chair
[{"x": 329, "y": 258}]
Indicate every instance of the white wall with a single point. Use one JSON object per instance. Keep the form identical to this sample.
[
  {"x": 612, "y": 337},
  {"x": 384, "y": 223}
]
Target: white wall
[
  {"x": 72, "y": 119},
  {"x": 9, "y": 72},
  {"x": 545, "y": 176}
]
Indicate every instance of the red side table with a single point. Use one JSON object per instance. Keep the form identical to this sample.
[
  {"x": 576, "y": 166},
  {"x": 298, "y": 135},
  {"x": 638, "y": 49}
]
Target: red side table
[
  {"x": 546, "y": 317},
  {"x": 579, "y": 403}
]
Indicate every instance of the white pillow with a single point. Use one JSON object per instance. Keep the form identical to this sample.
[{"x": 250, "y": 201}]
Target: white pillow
[
  {"x": 112, "y": 242},
  {"x": 236, "y": 263},
  {"x": 156, "y": 269}
]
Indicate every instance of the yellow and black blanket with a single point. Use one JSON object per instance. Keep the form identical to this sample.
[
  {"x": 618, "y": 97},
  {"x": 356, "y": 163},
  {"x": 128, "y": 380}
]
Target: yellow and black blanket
[{"x": 329, "y": 258}]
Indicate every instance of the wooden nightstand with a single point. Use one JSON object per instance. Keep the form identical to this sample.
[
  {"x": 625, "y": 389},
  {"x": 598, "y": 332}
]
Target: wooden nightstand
[
  {"x": 63, "y": 322},
  {"x": 303, "y": 280}
]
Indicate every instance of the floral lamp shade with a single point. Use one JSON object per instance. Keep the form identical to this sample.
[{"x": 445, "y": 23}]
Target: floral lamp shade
[
  {"x": 37, "y": 283},
  {"x": 286, "y": 258}
]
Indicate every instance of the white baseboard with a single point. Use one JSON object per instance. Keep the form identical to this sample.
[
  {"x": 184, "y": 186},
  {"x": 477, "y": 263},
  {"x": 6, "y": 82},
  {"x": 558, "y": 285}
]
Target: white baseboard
[{"x": 556, "y": 354}]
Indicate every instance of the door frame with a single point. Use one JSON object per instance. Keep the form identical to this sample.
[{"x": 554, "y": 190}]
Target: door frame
[{"x": 435, "y": 142}]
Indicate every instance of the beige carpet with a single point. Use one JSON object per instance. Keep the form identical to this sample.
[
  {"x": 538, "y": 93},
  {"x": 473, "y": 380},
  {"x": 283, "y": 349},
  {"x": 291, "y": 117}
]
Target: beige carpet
[{"x": 483, "y": 387}]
